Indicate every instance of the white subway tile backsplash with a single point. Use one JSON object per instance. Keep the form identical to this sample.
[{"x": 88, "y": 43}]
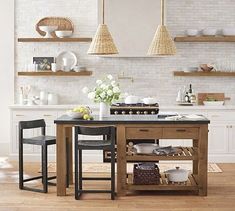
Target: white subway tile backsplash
[{"x": 152, "y": 76}]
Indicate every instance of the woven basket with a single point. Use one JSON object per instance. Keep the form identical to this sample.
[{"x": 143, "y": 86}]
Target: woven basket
[
  {"x": 162, "y": 43},
  {"x": 146, "y": 177},
  {"x": 62, "y": 23},
  {"x": 102, "y": 42}
]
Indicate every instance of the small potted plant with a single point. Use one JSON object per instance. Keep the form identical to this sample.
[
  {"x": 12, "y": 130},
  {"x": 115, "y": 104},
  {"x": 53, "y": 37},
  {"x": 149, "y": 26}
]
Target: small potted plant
[{"x": 105, "y": 93}]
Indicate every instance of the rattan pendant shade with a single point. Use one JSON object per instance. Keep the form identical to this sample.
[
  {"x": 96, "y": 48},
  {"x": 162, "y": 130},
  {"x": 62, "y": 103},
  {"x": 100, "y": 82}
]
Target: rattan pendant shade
[
  {"x": 162, "y": 43},
  {"x": 102, "y": 43}
]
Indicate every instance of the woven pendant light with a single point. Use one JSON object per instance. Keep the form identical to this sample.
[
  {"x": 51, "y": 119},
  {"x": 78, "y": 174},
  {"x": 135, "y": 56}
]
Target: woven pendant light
[
  {"x": 102, "y": 43},
  {"x": 162, "y": 43}
]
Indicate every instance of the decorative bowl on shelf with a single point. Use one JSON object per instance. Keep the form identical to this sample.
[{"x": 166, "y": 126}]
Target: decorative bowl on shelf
[
  {"x": 63, "y": 34},
  {"x": 48, "y": 30},
  {"x": 209, "y": 32},
  {"x": 192, "y": 32},
  {"x": 228, "y": 32}
]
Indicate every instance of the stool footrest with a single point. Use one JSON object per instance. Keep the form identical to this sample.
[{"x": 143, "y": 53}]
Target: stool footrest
[
  {"x": 32, "y": 178},
  {"x": 94, "y": 191},
  {"x": 96, "y": 178},
  {"x": 33, "y": 189}
]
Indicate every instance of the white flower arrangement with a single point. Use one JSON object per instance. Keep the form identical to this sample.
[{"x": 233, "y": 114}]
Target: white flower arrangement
[{"x": 106, "y": 91}]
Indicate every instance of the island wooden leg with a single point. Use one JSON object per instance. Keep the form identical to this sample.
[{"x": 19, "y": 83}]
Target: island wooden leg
[
  {"x": 203, "y": 160},
  {"x": 69, "y": 140},
  {"x": 195, "y": 162},
  {"x": 60, "y": 160},
  {"x": 121, "y": 161}
]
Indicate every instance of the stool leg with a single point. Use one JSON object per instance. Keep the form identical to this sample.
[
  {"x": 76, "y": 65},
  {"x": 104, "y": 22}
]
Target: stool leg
[
  {"x": 67, "y": 163},
  {"x": 113, "y": 174},
  {"x": 21, "y": 166},
  {"x": 44, "y": 168},
  {"x": 80, "y": 169}
]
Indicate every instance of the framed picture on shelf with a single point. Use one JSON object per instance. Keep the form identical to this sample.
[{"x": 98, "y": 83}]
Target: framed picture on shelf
[{"x": 44, "y": 63}]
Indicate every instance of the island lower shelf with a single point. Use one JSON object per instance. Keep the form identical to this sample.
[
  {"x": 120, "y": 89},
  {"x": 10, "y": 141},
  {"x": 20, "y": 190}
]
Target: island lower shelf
[
  {"x": 190, "y": 185},
  {"x": 187, "y": 153}
]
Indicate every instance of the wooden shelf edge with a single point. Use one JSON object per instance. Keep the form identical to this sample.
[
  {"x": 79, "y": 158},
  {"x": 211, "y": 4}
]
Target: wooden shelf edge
[
  {"x": 59, "y": 73},
  {"x": 220, "y": 73},
  {"x": 72, "y": 39},
  {"x": 205, "y": 39},
  {"x": 157, "y": 158}
]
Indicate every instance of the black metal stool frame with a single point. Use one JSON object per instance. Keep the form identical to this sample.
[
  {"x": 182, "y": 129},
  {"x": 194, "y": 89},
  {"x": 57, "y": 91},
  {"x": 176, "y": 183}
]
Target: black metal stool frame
[
  {"x": 108, "y": 133},
  {"x": 24, "y": 125}
]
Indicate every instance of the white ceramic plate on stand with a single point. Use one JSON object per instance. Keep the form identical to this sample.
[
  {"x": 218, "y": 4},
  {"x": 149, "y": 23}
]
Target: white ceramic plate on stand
[{"x": 71, "y": 59}]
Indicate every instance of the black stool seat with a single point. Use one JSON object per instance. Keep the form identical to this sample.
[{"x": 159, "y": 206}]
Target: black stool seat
[
  {"x": 109, "y": 135},
  {"x": 40, "y": 140},
  {"x": 94, "y": 143}
]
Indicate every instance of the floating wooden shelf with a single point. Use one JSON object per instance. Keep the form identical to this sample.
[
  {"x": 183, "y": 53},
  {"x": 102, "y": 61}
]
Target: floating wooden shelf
[
  {"x": 191, "y": 184},
  {"x": 188, "y": 153},
  {"x": 214, "y": 74},
  {"x": 59, "y": 73},
  {"x": 79, "y": 39},
  {"x": 205, "y": 39}
]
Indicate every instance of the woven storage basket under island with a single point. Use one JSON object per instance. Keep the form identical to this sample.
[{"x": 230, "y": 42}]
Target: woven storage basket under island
[{"x": 146, "y": 176}]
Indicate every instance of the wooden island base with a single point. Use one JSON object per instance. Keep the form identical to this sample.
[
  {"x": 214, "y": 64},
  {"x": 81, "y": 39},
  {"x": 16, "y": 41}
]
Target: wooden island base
[{"x": 149, "y": 128}]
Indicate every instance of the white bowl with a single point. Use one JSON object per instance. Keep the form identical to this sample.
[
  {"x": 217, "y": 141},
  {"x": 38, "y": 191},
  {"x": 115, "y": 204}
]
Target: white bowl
[
  {"x": 228, "y": 31},
  {"x": 63, "y": 34},
  {"x": 213, "y": 103},
  {"x": 131, "y": 99},
  {"x": 74, "y": 115},
  {"x": 209, "y": 32},
  {"x": 48, "y": 30},
  {"x": 192, "y": 32},
  {"x": 145, "y": 148}
]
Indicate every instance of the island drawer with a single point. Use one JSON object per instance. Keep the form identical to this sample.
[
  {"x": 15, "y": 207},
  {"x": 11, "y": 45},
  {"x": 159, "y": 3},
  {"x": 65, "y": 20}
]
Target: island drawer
[
  {"x": 181, "y": 133},
  {"x": 143, "y": 133}
]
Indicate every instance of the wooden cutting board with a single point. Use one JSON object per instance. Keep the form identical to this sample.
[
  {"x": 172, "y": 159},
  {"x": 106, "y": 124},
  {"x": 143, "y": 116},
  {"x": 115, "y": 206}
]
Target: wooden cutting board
[{"x": 203, "y": 96}]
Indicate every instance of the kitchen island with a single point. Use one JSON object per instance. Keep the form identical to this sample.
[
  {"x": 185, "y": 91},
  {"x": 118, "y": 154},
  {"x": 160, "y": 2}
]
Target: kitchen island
[{"x": 141, "y": 127}]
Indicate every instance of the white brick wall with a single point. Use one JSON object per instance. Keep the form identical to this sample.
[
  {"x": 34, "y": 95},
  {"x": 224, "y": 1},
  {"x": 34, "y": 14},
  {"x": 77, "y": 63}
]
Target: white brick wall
[{"x": 153, "y": 76}]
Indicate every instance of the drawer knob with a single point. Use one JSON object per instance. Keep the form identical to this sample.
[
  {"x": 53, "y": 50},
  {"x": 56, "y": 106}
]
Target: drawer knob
[
  {"x": 181, "y": 130},
  {"x": 143, "y": 130}
]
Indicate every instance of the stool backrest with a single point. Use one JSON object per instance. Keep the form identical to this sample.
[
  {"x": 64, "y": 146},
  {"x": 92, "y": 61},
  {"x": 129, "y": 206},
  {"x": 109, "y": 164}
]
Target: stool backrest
[
  {"x": 32, "y": 124},
  {"x": 108, "y": 132}
]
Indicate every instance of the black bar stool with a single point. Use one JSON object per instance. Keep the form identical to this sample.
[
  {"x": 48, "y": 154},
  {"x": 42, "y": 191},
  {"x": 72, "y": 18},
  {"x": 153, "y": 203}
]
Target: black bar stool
[
  {"x": 108, "y": 143},
  {"x": 43, "y": 141}
]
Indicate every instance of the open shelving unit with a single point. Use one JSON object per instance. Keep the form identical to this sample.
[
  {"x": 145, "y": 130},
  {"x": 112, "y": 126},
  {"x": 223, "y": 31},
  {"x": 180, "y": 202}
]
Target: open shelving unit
[
  {"x": 72, "y": 39},
  {"x": 200, "y": 74},
  {"x": 205, "y": 39},
  {"x": 59, "y": 73}
]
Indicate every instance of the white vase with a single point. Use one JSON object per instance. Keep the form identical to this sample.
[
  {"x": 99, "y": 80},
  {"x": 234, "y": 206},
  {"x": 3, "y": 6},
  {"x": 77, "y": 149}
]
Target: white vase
[{"x": 104, "y": 110}]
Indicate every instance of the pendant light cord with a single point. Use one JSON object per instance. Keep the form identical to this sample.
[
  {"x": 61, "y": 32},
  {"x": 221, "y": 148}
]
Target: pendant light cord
[
  {"x": 162, "y": 12},
  {"x": 102, "y": 11}
]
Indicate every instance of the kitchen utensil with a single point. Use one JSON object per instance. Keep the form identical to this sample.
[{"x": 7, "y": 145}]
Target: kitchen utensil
[
  {"x": 74, "y": 115},
  {"x": 145, "y": 148},
  {"x": 213, "y": 103},
  {"x": 206, "y": 68},
  {"x": 177, "y": 175},
  {"x": 213, "y": 96},
  {"x": 169, "y": 150},
  {"x": 192, "y": 32},
  {"x": 61, "y": 22},
  {"x": 149, "y": 100},
  {"x": 67, "y": 58},
  {"x": 48, "y": 30},
  {"x": 63, "y": 34},
  {"x": 209, "y": 32},
  {"x": 131, "y": 99},
  {"x": 228, "y": 32}
]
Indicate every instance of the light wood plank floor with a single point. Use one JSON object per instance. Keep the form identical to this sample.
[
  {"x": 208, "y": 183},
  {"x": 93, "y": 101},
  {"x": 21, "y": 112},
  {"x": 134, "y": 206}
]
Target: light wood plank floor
[{"x": 221, "y": 196}]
